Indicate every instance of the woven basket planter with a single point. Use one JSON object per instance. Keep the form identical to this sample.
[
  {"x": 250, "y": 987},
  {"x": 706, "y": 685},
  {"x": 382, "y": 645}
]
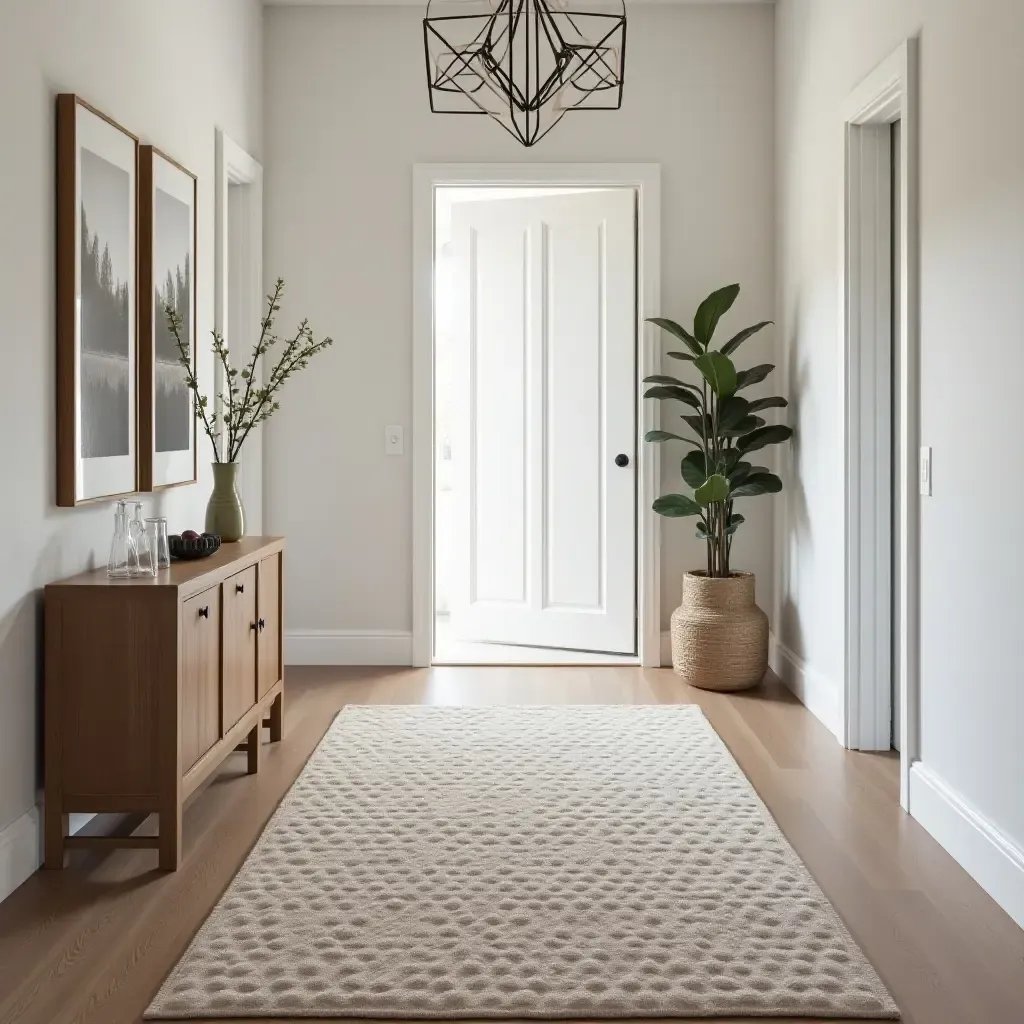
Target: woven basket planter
[{"x": 719, "y": 636}]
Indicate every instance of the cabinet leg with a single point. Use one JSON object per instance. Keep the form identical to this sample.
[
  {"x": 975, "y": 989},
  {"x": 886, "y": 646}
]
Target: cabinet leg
[
  {"x": 253, "y": 747},
  {"x": 55, "y": 829},
  {"x": 277, "y": 718},
  {"x": 170, "y": 840}
]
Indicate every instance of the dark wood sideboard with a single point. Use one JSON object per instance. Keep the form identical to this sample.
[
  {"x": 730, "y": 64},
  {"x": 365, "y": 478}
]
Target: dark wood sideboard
[{"x": 151, "y": 682}]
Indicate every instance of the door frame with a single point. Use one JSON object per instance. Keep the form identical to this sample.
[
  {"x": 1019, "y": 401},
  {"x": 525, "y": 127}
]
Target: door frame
[
  {"x": 887, "y": 94},
  {"x": 426, "y": 179},
  {"x": 239, "y": 230}
]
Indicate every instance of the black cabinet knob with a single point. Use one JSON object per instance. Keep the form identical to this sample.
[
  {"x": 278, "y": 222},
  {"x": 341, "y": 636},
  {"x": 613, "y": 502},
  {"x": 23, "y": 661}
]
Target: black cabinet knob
[
  {"x": 239, "y": 588},
  {"x": 263, "y": 624},
  {"x": 621, "y": 460},
  {"x": 204, "y": 612},
  {"x": 252, "y": 625}
]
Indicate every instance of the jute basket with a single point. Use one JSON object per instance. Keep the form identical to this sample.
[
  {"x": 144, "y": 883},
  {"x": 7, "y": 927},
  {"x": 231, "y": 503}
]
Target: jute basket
[{"x": 719, "y": 636}]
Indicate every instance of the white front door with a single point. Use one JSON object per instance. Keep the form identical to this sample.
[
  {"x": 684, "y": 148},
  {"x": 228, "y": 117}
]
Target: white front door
[{"x": 544, "y": 444}]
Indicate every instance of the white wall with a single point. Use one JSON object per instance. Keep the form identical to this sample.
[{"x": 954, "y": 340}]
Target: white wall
[
  {"x": 972, "y": 361},
  {"x": 171, "y": 77},
  {"x": 347, "y": 117}
]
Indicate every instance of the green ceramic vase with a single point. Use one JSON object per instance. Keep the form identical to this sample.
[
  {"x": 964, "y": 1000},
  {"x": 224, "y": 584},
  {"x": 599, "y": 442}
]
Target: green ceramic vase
[{"x": 225, "y": 515}]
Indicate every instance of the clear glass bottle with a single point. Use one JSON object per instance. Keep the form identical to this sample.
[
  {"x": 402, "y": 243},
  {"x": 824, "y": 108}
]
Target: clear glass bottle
[
  {"x": 118, "y": 563},
  {"x": 156, "y": 535},
  {"x": 136, "y": 542}
]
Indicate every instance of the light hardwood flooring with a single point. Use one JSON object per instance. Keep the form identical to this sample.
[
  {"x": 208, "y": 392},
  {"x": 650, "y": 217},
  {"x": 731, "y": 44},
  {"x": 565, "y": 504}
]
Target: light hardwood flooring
[{"x": 93, "y": 943}]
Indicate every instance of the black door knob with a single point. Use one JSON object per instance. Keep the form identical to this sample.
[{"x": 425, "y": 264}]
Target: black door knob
[
  {"x": 204, "y": 612},
  {"x": 621, "y": 460}
]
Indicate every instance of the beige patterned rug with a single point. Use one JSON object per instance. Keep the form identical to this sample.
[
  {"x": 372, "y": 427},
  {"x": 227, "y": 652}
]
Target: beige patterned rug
[{"x": 522, "y": 862}]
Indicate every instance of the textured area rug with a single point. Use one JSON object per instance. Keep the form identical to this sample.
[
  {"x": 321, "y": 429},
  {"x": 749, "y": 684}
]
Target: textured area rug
[{"x": 522, "y": 862}]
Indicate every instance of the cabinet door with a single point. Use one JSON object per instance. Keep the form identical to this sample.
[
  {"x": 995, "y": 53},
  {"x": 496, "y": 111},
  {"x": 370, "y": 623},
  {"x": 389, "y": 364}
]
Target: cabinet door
[
  {"x": 200, "y": 675},
  {"x": 269, "y": 608},
  {"x": 239, "y": 645}
]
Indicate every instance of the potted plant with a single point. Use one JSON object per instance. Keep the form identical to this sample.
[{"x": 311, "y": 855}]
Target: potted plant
[
  {"x": 249, "y": 398},
  {"x": 719, "y": 635}
]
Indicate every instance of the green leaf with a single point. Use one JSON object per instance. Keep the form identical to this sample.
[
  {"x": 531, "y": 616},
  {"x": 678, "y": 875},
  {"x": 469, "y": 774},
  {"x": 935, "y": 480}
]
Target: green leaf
[
  {"x": 731, "y": 410},
  {"x": 745, "y": 425},
  {"x": 768, "y": 403},
  {"x": 661, "y": 378},
  {"x": 656, "y": 436},
  {"x": 711, "y": 310},
  {"x": 764, "y": 436},
  {"x": 718, "y": 371},
  {"x": 737, "y": 339},
  {"x": 700, "y": 426},
  {"x": 663, "y": 391},
  {"x": 681, "y": 355},
  {"x": 715, "y": 488},
  {"x": 677, "y": 331},
  {"x": 735, "y": 520},
  {"x": 757, "y": 483},
  {"x": 694, "y": 469},
  {"x": 676, "y": 506},
  {"x": 739, "y": 473},
  {"x": 754, "y": 375}
]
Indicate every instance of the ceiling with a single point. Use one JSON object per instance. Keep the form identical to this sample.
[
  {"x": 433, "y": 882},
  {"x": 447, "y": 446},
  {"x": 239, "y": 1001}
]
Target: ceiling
[{"x": 423, "y": 3}]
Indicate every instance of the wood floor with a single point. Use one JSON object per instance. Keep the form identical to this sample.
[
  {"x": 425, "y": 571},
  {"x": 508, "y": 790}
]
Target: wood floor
[{"x": 93, "y": 943}]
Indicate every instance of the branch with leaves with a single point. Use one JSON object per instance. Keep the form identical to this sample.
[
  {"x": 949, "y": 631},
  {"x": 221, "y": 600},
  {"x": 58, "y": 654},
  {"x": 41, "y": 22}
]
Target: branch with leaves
[
  {"x": 245, "y": 402},
  {"x": 724, "y": 425}
]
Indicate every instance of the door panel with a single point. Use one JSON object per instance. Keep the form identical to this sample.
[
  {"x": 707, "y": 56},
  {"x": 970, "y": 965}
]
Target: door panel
[
  {"x": 238, "y": 595},
  {"x": 544, "y": 297},
  {"x": 269, "y": 632},
  {"x": 200, "y": 675}
]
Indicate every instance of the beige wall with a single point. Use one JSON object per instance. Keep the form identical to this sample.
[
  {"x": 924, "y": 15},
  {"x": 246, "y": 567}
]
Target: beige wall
[
  {"x": 972, "y": 362},
  {"x": 171, "y": 73},
  {"x": 347, "y": 117}
]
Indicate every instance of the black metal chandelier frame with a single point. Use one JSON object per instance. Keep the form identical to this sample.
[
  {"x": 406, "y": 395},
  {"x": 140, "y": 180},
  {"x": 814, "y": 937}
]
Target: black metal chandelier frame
[{"x": 591, "y": 69}]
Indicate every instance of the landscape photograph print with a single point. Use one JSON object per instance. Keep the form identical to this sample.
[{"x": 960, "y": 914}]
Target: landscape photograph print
[
  {"x": 97, "y": 180},
  {"x": 106, "y": 308},
  {"x": 167, "y": 281},
  {"x": 173, "y": 288}
]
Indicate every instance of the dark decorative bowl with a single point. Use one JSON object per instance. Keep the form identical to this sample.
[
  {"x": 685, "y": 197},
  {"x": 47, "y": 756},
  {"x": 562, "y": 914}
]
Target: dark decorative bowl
[{"x": 185, "y": 550}]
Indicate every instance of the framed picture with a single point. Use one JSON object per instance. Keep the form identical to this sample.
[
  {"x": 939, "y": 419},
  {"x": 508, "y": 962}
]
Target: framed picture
[
  {"x": 97, "y": 184},
  {"x": 167, "y": 277}
]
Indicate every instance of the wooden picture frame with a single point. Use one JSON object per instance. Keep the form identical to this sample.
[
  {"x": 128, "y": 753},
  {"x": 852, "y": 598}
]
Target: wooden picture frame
[
  {"x": 168, "y": 455},
  {"x": 96, "y": 300}
]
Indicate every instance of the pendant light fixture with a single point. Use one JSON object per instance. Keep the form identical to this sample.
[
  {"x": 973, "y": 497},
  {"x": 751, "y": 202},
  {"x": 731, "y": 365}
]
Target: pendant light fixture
[{"x": 524, "y": 63}]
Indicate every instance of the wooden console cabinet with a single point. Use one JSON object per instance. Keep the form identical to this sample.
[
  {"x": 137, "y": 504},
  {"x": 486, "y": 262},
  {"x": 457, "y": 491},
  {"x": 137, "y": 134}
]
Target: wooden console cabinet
[{"x": 151, "y": 682}]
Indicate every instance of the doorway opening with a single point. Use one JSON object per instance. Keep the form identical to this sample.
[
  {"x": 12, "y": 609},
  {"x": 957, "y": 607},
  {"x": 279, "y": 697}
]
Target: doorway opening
[
  {"x": 535, "y": 425},
  {"x": 880, "y": 274},
  {"x": 238, "y": 285}
]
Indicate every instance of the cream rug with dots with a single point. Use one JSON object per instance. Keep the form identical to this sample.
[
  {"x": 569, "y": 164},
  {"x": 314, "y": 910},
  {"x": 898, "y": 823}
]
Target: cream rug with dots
[{"x": 513, "y": 862}]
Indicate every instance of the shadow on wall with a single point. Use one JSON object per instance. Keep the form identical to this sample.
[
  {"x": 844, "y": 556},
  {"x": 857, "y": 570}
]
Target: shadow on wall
[
  {"x": 795, "y": 537},
  {"x": 21, "y": 651}
]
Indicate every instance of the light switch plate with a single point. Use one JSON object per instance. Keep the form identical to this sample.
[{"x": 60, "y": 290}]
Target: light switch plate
[
  {"x": 925, "y": 471},
  {"x": 394, "y": 440}
]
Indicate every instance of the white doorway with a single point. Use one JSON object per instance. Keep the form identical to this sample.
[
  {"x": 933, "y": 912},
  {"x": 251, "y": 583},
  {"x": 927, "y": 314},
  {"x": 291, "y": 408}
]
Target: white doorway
[
  {"x": 539, "y": 543},
  {"x": 880, "y": 275},
  {"x": 238, "y": 286}
]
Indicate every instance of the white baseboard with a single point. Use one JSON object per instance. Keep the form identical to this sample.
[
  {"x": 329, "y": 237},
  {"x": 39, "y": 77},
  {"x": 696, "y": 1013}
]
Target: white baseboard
[
  {"x": 985, "y": 853},
  {"x": 347, "y": 647},
  {"x": 20, "y": 846},
  {"x": 822, "y": 697},
  {"x": 666, "y": 649}
]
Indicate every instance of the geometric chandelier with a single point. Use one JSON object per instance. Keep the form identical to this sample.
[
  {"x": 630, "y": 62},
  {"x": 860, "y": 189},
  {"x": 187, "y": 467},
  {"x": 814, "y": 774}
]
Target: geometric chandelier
[{"x": 524, "y": 63}]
